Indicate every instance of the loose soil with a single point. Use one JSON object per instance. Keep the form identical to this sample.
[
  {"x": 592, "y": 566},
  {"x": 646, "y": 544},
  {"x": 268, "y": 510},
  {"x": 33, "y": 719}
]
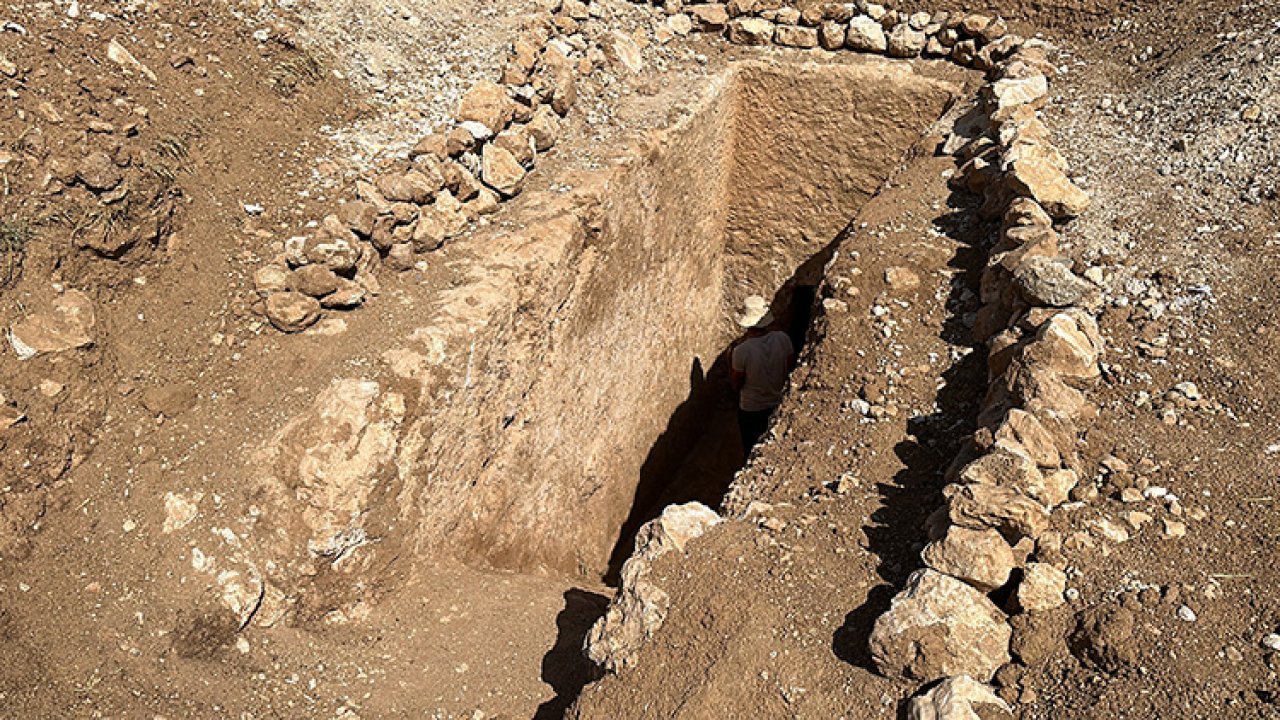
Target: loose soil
[{"x": 102, "y": 613}]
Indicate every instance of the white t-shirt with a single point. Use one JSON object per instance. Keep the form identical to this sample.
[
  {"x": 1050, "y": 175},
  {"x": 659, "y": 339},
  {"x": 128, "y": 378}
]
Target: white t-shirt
[{"x": 764, "y": 361}]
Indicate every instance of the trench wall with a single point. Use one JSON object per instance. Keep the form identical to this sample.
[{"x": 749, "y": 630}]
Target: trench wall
[{"x": 813, "y": 144}]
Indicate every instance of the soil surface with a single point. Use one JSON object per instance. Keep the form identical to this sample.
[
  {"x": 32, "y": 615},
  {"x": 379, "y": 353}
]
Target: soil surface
[{"x": 233, "y": 123}]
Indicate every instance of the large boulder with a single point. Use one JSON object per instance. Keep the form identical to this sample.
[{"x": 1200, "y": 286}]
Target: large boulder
[
  {"x": 939, "y": 626},
  {"x": 291, "y": 311}
]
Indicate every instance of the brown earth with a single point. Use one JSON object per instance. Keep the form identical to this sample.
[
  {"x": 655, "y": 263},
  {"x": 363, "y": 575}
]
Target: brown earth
[{"x": 481, "y": 606}]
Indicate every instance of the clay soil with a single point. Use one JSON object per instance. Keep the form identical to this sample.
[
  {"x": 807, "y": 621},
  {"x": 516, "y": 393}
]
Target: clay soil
[{"x": 102, "y": 616}]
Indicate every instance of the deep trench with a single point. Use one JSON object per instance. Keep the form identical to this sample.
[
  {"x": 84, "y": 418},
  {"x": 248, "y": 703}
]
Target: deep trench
[{"x": 754, "y": 194}]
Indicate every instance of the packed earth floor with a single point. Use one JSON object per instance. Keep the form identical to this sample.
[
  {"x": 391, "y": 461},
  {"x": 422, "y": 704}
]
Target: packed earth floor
[{"x": 367, "y": 359}]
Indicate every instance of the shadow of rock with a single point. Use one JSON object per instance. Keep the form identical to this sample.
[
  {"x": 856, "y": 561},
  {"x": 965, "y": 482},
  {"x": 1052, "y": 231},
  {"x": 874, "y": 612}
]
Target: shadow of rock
[{"x": 565, "y": 667}]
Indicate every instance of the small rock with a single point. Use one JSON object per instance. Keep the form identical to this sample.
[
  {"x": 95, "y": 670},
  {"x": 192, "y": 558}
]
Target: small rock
[
  {"x": 1186, "y": 614},
  {"x": 271, "y": 279},
  {"x": 67, "y": 325},
  {"x": 487, "y": 103},
  {"x": 98, "y": 172},
  {"x": 1271, "y": 642},
  {"x": 958, "y": 698},
  {"x": 866, "y": 35},
  {"x": 900, "y": 278},
  {"x": 750, "y": 31},
  {"x": 292, "y": 311},
  {"x": 1042, "y": 587},
  {"x": 501, "y": 171},
  {"x": 315, "y": 280}
]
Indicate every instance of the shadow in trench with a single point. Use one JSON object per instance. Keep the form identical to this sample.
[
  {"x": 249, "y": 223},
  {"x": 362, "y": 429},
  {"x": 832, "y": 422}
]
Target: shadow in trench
[
  {"x": 897, "y": 528},
  {"x": 565, "y": 668},
  {"x": 700, "y": 452}
]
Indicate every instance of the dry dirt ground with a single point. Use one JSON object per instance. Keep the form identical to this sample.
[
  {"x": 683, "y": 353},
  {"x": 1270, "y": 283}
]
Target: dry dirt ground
[{"x": 101, "y": 614}]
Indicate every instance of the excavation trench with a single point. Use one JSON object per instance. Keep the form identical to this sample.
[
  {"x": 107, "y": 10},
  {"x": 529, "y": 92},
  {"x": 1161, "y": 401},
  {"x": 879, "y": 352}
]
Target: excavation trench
[{"x": 626, "y": 404}]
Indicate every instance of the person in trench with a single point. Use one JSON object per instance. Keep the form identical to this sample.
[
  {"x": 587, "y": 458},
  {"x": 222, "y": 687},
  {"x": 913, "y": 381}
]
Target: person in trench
[{"x": 759, "y": 366}]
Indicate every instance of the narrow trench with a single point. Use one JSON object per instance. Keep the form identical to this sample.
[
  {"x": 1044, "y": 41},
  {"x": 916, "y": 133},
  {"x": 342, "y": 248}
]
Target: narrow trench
[
  {"x": 803, "y": 148},
  {"x": 749, "y": 193},
  {"x": 758, "y": 190},
  {"x": 697, "y": 456}
]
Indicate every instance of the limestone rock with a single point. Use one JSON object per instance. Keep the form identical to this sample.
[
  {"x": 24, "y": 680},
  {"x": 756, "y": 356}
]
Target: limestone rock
[
  {"x": 1069, "y": 345},
  {"x": 901, "y": 278},
  {"x": 620, "y": 48},
  {"x": 1009, "y": 465},
  {"x": 486, "y": 103},
  {"x": 518, "y": 141},
  {"x": 346, "y": 295},
  {"x": 939, "y": 626},
  {"x": 1046, "y": 183},
  {"x": 67, "y": 324},
  {"x": 1024, "y": 429},
  {"x": 1032, "y": 90},
  {"x": 360, "y": 216},
  {"x": 501, "y": 171},
  {"x": 796, "y": 37},
  {"x": 544, "y": 128},
  {"x": 680, "y": 24},
  {"x": 639, "y": 608},
  {"x": 325, "y": 463},
  {"x": 866, "y": 35},
  {"x": 339, "y": 254},
  {"x": 750, "y": 31},
  {"x": 905, "y": 41},
  {"x": 1042, "y": 587},
  {"x": 415, "y": 186},
  {"x": 710, "y": 16},
  {"x": 1045, "y": 281},
  {"x": 556, "y": 82},
  {"x": 959, "y": 698},
  {"x": 98, "y": 172},
  {"x": 981, "y": 558},
  {"x": 271, "y": 278},
  {"x": 292, "y": 311},
  {"x": 832, "y": 35},
  {"x": 400, "y": 257},
  {"x": 989, "y": 506}
]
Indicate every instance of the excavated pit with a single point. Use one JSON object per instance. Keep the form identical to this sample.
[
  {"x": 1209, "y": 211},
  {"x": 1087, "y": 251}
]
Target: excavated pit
[{"x": 628, "y": 407}]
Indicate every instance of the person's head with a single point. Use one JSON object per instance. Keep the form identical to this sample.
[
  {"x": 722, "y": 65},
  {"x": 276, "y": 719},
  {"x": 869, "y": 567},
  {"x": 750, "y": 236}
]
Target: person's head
[{"x": 755, "y": 317}]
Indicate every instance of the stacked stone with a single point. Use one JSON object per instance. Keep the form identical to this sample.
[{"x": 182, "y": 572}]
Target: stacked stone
[
  {"x": 972, "y": 40},
  {"x": 451, "y": 178},
  {"x": 1037, "y": 319}
]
